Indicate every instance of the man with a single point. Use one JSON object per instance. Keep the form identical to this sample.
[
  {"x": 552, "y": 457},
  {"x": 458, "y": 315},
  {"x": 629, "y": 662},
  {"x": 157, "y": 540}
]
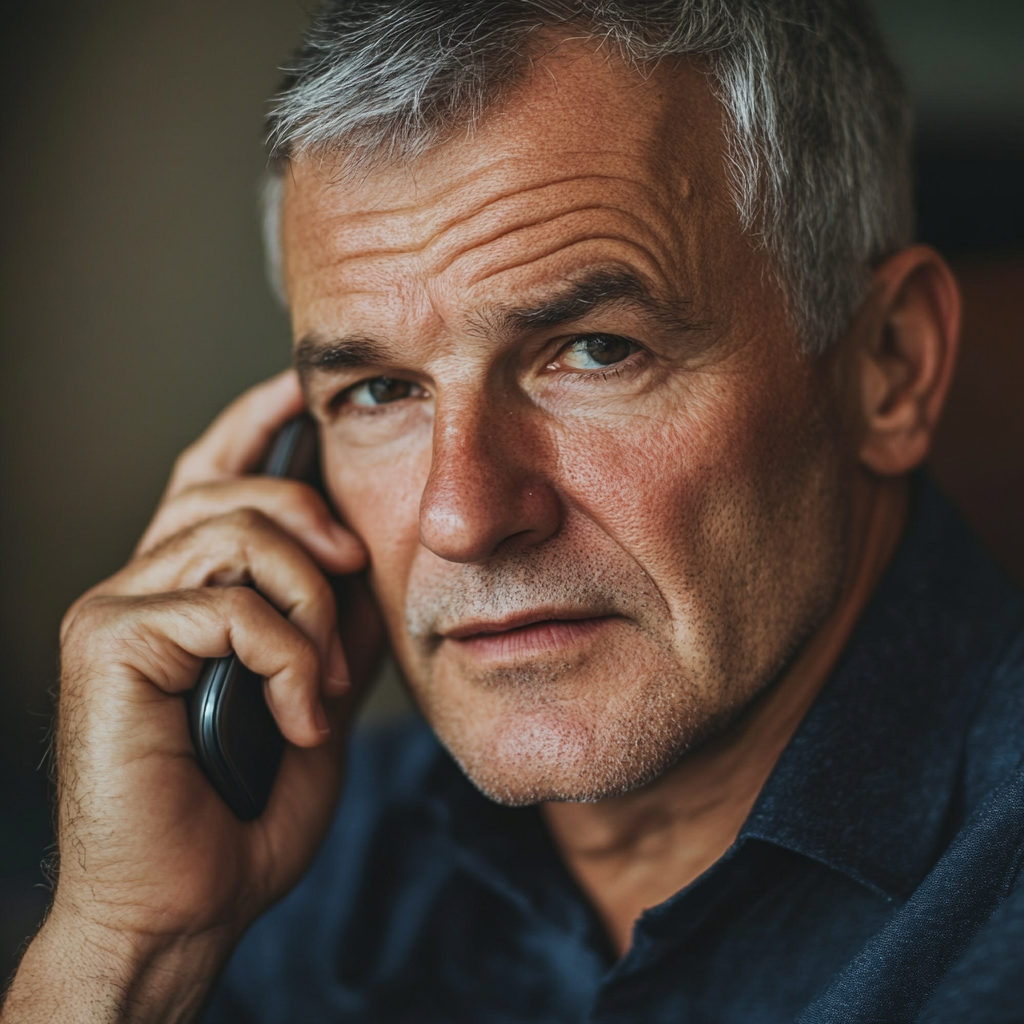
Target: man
[{"x": 622, "y": 363}]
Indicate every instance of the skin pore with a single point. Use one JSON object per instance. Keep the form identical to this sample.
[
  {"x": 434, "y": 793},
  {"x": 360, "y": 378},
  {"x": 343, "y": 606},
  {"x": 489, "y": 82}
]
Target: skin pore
[{"x": 607, "y": 500}]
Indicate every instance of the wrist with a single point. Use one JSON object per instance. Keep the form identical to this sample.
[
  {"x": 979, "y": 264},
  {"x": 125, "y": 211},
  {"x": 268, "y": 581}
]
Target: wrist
[{"x": 78, "y": 971}]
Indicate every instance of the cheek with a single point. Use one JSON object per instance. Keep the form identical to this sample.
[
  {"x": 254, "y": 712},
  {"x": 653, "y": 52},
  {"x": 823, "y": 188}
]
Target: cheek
[
  {"x": 377, "y": 495},
  {"x": 702, "y": 492},
  {"x": 647, "y": 476}
]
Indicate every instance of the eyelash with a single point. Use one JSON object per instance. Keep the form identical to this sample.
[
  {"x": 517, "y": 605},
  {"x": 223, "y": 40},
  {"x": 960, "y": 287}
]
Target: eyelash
[
  {"x": 615, "y": 370},
  {"x": 340, "y": 405},
  {"x": 612, "y": 371}
]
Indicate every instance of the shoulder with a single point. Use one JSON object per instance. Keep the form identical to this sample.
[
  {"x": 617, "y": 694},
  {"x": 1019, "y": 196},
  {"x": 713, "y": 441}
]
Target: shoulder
[
  {"x": 963, "y": 620},
  {"x": 994, "y": 743},
  {"x": 985, "y": 984}
]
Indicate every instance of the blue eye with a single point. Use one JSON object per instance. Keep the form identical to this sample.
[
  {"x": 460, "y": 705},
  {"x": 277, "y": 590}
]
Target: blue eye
[
  {"x": 381, "y": 391},
  {"x": 596, "y": 351}
]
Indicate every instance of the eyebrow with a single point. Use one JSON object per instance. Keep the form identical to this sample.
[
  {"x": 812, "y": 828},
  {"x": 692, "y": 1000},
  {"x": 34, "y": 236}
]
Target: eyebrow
[
  {"x": 354, "y": 352},
  {"x": 588, "y": 294},
  {"x": 582, "y": 297}
]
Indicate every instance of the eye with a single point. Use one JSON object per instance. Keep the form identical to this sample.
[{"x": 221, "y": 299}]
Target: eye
[
  {"x": 381, "y": 391},
  {"x": 596, "y": 351}
]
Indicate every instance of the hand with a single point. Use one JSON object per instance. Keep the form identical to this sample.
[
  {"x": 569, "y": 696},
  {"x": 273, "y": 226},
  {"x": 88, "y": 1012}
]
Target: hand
[{"x": 157, "y": 877}]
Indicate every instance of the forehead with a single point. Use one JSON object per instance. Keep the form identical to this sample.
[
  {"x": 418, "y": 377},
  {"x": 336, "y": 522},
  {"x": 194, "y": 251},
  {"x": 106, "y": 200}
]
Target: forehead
[{"x": 587, "y": 162}]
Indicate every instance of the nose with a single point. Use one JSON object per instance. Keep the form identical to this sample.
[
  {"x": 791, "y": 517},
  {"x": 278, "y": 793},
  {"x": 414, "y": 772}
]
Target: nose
[{"x": 487, "y": 489}]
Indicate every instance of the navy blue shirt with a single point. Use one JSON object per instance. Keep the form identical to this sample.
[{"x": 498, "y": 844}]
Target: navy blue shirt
[{"x": 876, "y": 879}]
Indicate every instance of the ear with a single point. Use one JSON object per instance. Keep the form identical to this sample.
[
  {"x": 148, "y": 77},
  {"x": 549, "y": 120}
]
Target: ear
[{"x": 906, "y": 339}]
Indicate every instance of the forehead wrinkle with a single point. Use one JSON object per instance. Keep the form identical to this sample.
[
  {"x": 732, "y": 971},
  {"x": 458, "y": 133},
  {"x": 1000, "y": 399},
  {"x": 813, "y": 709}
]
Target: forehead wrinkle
[
  {"x": 356, "y": 267},
  {"x": 562, "y": 249},
  {"x": 482, "y": 235},
  {"x": 466, "y": 209},
  {"x": 447, "y": 221},
  {"x": 425, "y": 224},
  {"x": 567, "y": 234},
  {"x": 381, "y": 214}
]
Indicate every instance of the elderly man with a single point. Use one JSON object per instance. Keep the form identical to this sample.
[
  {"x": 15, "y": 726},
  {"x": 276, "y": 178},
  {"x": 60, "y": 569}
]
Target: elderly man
[{"x": 622, "y": 363}]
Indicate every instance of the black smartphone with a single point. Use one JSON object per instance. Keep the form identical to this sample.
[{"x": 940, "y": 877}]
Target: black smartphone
[{"x": 237, "y": 741}]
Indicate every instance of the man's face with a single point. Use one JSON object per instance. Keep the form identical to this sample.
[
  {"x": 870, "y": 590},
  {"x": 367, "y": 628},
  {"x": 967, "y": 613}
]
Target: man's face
[{"x": 563, "y": 406}]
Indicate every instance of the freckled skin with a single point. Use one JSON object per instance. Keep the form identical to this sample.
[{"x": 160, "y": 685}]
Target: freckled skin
[{"x": 695, "y": 491}]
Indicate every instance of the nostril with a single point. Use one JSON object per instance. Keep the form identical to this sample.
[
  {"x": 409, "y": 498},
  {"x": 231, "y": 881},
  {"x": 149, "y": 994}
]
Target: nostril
[
  {"x": 471, "y": 519},
  {"x": 485, "y": 491},
  {"x": 519, "y": 541}
]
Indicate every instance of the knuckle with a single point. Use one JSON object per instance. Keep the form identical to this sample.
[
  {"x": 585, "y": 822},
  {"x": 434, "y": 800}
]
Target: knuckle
[
  {"x": 238, "y": 602},
  {"x": 86, "y": 620},
  {"x": 306, "y": 659},
  {"x": 197, "y": 527},
  {"x": 167, "y": 534},
  {"x": 183, "y": 464},
  {"x": 247, "y": 519},
  {"x": 67, "y": 622},
  {"x": 184, "y": 457},
  {"x": 303, "y": 494},
  {"x": 105, "y": 631},
  {"x": 322, "y": 594}
]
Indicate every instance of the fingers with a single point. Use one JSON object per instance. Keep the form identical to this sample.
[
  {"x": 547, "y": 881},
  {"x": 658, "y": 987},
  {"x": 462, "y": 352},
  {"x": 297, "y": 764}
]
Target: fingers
[
  {"x": 240, "y": 547},
  {"x": 208, "y": 481},
  {"x": 161, "y": 639},
  {"x": 294, "y": 506},
  {"x": 236, "y": 440}
]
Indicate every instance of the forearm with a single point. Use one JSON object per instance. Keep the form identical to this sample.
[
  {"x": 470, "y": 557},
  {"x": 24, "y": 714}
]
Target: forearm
[{"x": 78, "y": 973}]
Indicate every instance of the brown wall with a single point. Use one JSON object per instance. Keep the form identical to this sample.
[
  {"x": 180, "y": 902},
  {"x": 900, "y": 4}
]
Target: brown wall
[
  {"x": 132, "y": 307},
  {"x": 133, "y": 302},
  {"x": 978, "y": 455}
]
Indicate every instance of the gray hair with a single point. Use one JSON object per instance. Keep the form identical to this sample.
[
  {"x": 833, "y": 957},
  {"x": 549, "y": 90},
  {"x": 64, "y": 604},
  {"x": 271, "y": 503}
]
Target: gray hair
[{"x": 817, "y": 119}]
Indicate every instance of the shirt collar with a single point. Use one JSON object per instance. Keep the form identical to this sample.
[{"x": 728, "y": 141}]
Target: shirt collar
[{"x": 867, "y": 784}]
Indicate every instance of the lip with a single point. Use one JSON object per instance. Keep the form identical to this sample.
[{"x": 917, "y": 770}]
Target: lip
[
  {"x": 527, "y": 634},
  {"x": 528, "y": 618}
]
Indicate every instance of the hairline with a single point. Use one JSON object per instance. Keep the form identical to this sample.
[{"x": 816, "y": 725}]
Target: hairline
[{"x": 816, "y": 121}]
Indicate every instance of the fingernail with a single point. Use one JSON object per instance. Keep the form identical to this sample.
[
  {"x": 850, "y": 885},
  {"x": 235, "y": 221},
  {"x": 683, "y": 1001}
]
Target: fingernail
[
  {"x": 337, "y": 681},
  {"x": 322, "y": 725}
]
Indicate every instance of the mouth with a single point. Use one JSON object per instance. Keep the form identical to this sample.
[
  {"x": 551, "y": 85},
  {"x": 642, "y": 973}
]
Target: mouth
[{"x": 527, "y": 635}]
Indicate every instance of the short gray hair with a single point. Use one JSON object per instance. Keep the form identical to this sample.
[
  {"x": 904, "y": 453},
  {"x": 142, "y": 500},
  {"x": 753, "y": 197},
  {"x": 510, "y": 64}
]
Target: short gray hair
[{"x": 816, "y": 113}]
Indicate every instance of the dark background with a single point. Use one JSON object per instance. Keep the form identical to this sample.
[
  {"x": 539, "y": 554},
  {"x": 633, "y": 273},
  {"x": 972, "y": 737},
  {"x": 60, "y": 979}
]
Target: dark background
[{"x": 133, "y": 303}]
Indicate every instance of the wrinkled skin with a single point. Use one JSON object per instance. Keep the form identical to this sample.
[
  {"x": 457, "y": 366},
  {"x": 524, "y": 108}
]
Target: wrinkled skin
[{"x": 686, "y": 502}]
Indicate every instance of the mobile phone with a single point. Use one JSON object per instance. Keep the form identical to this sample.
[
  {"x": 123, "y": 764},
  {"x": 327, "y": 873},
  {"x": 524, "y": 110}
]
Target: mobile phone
[{"x": 237, "y": 742}]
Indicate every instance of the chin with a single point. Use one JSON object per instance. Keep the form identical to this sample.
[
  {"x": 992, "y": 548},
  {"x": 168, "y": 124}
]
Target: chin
[{"x": 567, "y": 750}]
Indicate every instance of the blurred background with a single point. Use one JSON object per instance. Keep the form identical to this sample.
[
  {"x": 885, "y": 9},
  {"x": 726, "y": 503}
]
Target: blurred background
[{"x": 133, "y": 304}]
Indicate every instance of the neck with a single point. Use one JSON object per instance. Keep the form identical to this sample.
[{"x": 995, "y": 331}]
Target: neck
[{"x": 634, "y": 851}]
